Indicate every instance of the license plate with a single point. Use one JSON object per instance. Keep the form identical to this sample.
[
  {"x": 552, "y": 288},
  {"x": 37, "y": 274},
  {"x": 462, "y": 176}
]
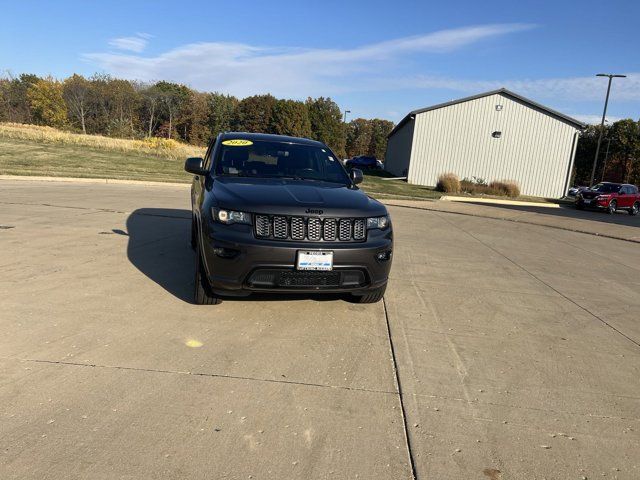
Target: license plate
[
  {"x": 314, "y": 260},
  {"x": 586, "y": 202}
]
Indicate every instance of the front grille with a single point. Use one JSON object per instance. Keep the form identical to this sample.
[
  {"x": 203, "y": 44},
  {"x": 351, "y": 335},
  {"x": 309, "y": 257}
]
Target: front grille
[
  {"x": 313, "y": 229},
  {"x": 309, "y": 279},
  {"x": 266, "y": 278}
]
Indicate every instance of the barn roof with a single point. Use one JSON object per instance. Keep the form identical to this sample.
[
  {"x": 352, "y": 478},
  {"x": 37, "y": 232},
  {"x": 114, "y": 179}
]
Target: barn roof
[{"x": 502, "y": 91}]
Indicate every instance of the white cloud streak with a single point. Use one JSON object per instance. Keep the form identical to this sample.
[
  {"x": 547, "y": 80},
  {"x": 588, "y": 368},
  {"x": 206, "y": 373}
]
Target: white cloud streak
[
  {"x": 590, "y": 88},
  {"x": 135, "y": 44},
  {"x": 242, "y": 69}
]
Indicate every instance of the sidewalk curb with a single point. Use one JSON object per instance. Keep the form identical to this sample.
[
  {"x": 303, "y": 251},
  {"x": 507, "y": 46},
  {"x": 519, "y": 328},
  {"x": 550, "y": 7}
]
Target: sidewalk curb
[
  {"x": 526, "y": 222},
  {"x": 496, "y": 201},
  {"x": 35, "y": 178}
]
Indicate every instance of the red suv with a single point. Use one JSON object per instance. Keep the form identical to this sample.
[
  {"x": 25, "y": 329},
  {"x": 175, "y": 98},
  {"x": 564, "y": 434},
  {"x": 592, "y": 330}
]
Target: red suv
[{"x": 610, "y": 197}]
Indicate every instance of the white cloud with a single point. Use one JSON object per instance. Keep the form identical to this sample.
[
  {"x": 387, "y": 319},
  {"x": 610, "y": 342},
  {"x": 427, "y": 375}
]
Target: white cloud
[
  {"x": 571, "y": 89},
  {"x": 132, "y": 44},
  {"x": 242, "y": 69}
]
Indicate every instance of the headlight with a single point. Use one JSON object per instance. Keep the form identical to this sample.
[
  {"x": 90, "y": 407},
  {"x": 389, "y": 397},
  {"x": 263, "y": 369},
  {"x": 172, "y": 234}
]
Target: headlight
[
  {"x": 602, "y": 197},
  {"x": 230, "y": 216},
  {"x": 378, "y": 222}
]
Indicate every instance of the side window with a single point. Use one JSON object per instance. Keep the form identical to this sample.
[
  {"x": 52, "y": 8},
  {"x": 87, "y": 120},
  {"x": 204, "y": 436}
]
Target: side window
[
  {"x": 634, "y": 190},
  {"x": 624, "y": 190},
  {"x": 207, "y": 156}
]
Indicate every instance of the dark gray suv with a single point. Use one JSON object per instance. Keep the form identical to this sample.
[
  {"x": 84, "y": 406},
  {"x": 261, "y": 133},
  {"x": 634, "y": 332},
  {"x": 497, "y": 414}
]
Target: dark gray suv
[{"x": 281, "y": 214}]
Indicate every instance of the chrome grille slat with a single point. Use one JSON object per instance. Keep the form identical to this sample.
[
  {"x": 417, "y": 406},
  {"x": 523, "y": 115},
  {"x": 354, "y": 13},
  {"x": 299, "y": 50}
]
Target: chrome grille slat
[
  {"x": 280, "y": 227},
  {"x": 313, "y": 229},
  {"x": 344, "y": 232},
  {"x": 297, "y": 228},
  {"x": 314, "y": 226},
  {"x": 329, "y": 233},
  {"x": 263, "y": 226},
  {"x": 359, "y": 231}
]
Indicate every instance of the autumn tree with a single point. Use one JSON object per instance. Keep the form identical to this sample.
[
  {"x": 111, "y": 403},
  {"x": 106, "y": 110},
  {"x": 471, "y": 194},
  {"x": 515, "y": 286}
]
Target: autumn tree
[
  {"x": 173, "y": 98},
  {"x": 291, "y": 118},
  {"x": 254, "y": 114},
  {"x": 358, "y": 137},
  {"x": 46, "y": 103},
  {"x": 380, "y": 129},
  {"x": 76, "y": 93},
  {"x": 222, "y": 113},
  {"x": 14, "y": 104},
  {"x": 326, "y": 123}
]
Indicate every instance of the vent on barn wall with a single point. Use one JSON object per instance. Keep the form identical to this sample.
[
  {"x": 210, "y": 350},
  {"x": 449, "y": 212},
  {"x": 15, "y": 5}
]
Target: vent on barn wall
[{"x": 496, "y": 134}]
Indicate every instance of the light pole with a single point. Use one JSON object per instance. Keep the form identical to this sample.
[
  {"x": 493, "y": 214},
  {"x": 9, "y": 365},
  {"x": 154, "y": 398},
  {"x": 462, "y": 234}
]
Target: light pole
[
  {"x": 604, "y": 114},
  {"x": 344, "y": 120}
]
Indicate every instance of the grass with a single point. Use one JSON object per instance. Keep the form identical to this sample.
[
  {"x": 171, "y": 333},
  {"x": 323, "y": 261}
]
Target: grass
[
  {"x": 45, "y": 151},
  {"x": 159, "y": 147}
]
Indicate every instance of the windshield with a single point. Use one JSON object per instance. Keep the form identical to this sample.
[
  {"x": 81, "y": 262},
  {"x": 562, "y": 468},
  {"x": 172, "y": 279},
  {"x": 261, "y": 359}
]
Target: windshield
[
  {"x": 263, "y": 159},
  {"x": 606, "y": 188}
]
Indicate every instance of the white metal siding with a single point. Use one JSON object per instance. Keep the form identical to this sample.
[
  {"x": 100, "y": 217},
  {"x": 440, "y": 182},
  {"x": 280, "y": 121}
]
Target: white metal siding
[
  {"x": 398, "y": 154},
  {"x": 534, "y": 149}
]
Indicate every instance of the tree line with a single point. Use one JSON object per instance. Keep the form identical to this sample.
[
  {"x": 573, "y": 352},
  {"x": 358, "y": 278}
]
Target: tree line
[
  {"x": 115, "y": 107},
  {"x": 619, "y": 156}
]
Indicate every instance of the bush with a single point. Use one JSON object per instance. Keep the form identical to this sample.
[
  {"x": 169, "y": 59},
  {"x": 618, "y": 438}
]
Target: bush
[
  {"x": 508, "y": 188},
  {"x": 448, "y": 183}
]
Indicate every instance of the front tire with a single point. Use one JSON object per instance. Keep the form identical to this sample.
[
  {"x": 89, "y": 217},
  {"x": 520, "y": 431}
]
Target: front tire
[
  {"x": 611, "y": 209},
  {"x": 634, "y": 209},
  {"x": 372, "y": 297},
  {"x": 203, "y": 295}
]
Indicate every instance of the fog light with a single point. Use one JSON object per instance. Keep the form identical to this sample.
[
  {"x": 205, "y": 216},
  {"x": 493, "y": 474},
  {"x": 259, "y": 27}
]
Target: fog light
[
  {"x": 225, "y": 252},
  {"x": 383, "y": 256}
]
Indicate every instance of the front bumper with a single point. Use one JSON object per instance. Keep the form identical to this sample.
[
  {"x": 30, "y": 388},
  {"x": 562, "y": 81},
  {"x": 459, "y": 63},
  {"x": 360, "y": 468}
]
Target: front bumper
[
  {"x": 237, "y": 263},
  {"x": 593, "y": 203}
]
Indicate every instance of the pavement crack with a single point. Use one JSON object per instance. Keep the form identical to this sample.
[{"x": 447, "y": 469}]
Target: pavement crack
[
  {"x": 396, "y": 373},
  {"x": 200, "y": 374}
]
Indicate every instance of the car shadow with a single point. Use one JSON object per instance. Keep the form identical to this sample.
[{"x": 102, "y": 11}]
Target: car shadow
[
  {"x": 159, "y": 246},
  {"x": 569, "y": 211}
]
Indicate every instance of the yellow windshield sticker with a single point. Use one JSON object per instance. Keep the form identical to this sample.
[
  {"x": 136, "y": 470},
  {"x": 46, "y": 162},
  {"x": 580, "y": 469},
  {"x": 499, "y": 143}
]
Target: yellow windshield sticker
[{"x": 238, "y": 142}]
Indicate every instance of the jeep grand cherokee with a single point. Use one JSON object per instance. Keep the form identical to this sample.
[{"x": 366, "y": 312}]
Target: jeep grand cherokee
[{"x": 281, "y": 214}]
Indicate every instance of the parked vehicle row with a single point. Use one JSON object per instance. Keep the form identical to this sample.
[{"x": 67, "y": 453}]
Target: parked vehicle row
[{"x": 610, "y": 197}]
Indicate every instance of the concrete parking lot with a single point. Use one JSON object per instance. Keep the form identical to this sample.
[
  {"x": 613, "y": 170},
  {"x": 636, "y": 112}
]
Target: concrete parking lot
[{"x": 501, "y": 351}]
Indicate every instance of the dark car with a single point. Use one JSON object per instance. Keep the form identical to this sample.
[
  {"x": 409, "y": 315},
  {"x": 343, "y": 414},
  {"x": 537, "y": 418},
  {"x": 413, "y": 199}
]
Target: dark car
[
  {"x": 573, "y": 191},
  {"x": 610, "y": 197},
  {"x": 281, "y": 214},
  {"x": 364, "y": 162}
]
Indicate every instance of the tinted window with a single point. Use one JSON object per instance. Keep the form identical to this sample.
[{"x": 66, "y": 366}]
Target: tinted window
[
  {"x": 279, "y": 160},
  {"x": 607, "y": 188}
]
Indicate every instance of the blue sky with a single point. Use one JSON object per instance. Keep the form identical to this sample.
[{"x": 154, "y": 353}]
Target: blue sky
[{"x": 375, "y": 58}]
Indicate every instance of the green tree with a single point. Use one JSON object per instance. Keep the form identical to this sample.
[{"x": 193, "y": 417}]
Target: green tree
[
  {"x": 291, "y": 118},
  {"x": 173, "y": 99},
  {"x": 254, "y": 114},
  {"x": 358, "y": 137},
  {"x": 14, "y": 104},
  {"x": 221, "y": 113},
  {"x": 47, "y": 103},
  {"x": 625, "y": 139},
  {"x": 326, "y": 123},
  {"x": 380, "y": 129}
]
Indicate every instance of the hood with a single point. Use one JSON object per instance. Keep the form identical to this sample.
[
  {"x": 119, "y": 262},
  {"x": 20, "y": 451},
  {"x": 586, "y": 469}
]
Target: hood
[{"x": 293, "y": 197}]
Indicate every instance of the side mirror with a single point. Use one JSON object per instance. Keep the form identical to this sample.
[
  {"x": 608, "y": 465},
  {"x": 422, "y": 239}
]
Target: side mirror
[
  {"x": 194, "y": 165},
  {"x": 356, "y": 176}
]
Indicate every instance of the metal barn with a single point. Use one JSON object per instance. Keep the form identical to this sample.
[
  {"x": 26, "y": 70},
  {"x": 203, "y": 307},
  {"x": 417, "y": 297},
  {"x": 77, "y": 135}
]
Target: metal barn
[{"x": 497, "y": 135}]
